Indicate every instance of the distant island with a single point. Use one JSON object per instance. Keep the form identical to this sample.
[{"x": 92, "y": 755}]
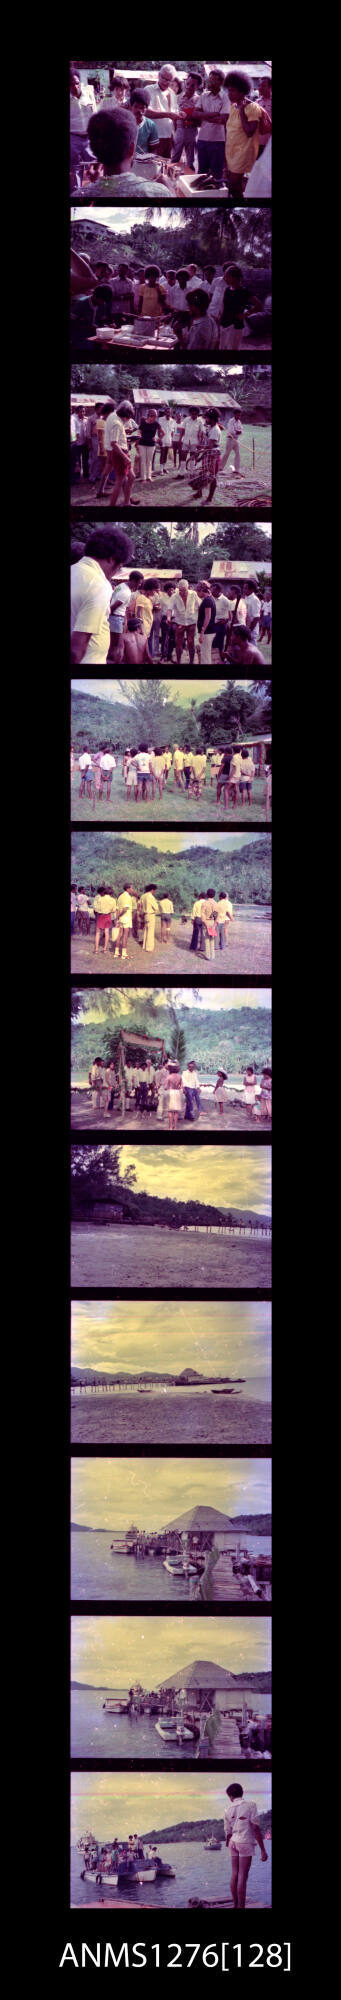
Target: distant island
[
  {"x": 251, "y": 1524},
  {"x": 199, "y": 1829},
  {"x": 258, "y": 1684},
  {"x": 189, "y": 1378}
]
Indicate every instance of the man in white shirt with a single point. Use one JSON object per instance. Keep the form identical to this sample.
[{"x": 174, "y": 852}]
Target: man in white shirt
[
  {"x": 184, "y": 606},
  {"x": 215, "y": 104},
  {"x": 107, "y": 765},
  {"x": 233, "y": 435},
  {"x": 243, "y": 1834},
  {"x": 193, "y": 436},
  {"x": 190, "y": 1085},
  {"x": 119, "y": 605},
  {"x": 117, "y": 459},
  {"x": 163, "y": 98},
  {"x": 186, "y": 129},
  {"x": 91, "y": 590},
  {"x": 85, "y": 767},
  {"x": 143, "y": 765},
  {"x": 166, "y": 435},
  {"x": 253, "y": 613}
]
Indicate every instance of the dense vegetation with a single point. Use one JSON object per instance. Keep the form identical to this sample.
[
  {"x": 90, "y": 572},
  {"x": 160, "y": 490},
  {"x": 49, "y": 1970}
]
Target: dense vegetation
[
  {"x": 227, "y": 1039},
  {"x": 200, "y": 1829},
  {"x": 176, "y": 546},
  {"x": 222, "y": 235},
  {"x": 245, "y": 872},
  {"x": 150, "y": 715}
]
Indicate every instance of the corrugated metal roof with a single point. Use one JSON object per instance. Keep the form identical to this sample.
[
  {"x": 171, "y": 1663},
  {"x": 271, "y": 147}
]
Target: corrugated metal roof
[{"x": 202, "y": 399}]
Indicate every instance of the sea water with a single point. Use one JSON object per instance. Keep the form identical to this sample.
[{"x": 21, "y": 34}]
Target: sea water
[
  {"x": 197, "y": 1873},
  {"x": 96, "y": 1573},
  {"x": 97, "y": 1733}
]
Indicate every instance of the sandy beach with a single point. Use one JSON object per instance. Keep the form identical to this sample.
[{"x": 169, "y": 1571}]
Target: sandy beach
[
  {"x": 236, "y": 1117},
  {"x": 129, "y": 1256},
  {"x": 161, "y": 1419}
]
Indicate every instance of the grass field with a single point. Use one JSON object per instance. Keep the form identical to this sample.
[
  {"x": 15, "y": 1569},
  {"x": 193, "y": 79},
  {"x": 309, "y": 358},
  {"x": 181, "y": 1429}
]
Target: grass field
[
  {"x": 126, "y": 1256},
  {"x": 245, "y": 489},
  {"x": 174, "y": 805},
  {"x": 248, "y": 950}
]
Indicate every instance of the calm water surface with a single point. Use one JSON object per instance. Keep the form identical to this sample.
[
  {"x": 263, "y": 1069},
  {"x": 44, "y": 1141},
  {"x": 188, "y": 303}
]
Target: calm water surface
[
  {"x": 96, "y": 1573},
  {"x": 197, "y": 1873}
]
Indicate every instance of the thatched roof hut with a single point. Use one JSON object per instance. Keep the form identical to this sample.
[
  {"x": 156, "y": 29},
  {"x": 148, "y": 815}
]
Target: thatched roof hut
[
  {"x": 200, "y": 1520},
  {"x": 200, "y": 1675}
]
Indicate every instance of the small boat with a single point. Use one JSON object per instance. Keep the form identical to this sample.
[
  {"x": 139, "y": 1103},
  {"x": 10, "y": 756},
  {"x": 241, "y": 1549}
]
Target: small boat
[
  {"x": 175, "y": 1565},
  {"x": 115, "y": 1706},
  {"x": 212, "y": 1845},
  {"x": 108, "y": 1868},
  {"x": 173, "y": 1730}
]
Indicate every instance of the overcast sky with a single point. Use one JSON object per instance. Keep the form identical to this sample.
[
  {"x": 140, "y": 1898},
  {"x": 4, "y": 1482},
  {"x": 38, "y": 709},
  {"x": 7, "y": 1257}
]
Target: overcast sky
[
  {"x": 113, "y": 1493},
  {"x": 236, "y": 1176},
  {"x": 216, "y": 1337},
  {"x": 114, "y": 1652},
  {"x": 125, "y": 1802}
]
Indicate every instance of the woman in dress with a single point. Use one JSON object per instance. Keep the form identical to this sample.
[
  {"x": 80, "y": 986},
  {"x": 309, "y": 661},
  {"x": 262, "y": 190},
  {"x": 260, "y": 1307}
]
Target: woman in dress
[{"x": 174, "y": 1095}]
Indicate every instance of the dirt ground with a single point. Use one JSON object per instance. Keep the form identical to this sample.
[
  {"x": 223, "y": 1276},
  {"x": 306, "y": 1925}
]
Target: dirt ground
[
  {"x": 123, "y": 1256},
  {"x": 160, "y": 1419},
  {"x": 235, "y": 1118},
  {"x": 245, "y": 489},
  {"x": 248, "y": 950}
]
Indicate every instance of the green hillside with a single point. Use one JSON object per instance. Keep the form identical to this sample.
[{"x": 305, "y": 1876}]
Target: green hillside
[
  {"x": 227, "y": 1039},
  {"x": 245, "y": 873}
]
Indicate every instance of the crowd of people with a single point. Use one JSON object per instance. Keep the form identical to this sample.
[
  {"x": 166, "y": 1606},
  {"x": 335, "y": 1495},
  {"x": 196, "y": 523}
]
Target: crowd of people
[
  {"x": 198, "y": 306},
  {"x": 218, "y": 124},
  {"x": 171, "y": 1090},
  {"x": 140, "y": 620},
  {"x": 146, "y": 772},
  {"x": 113, "y": 920},
  {"x": 111, "y": 447}
]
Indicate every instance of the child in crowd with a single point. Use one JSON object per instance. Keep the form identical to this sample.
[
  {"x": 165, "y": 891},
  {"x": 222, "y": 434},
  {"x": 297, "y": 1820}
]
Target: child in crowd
[
  {"x": 220, "y": 1088},
  {"x": 174, "y": 1095}
]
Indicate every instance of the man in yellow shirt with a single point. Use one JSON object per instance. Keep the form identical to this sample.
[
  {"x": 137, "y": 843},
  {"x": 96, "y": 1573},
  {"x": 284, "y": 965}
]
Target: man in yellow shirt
[
  {"x": 178, "y": 767},
  {"x": 149, "y": 907},
  {"x": 198, "y": 772},
  {"x": 247, "y": 123},
  {"x": 157, "y": 766},
  {"x": 197, "y": 932}
]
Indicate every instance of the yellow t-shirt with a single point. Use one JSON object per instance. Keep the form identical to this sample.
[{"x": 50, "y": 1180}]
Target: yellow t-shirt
[
  {"x": 168, "y": 759},
  {"x": 178, "y": 760},
  {"x": 199, "y": 765},
  {"x": 166, "y": 906},
  {"x": 144, "y": 609},
  {"x": 241, "y": 152},
  {"x": 158, "y": 763},
  {"x": 148, "y": 903}
]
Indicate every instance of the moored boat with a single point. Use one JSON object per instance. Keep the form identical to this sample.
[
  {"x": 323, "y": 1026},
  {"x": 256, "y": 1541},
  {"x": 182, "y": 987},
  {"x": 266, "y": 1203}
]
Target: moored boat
[{"x": 110, "y": 1865}]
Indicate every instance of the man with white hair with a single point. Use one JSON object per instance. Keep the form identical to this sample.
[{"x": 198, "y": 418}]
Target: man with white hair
[{"x": 163, "y": 98}]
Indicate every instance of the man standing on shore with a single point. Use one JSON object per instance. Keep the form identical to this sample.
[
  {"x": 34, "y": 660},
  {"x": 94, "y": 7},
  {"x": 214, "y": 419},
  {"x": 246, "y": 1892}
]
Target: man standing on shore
[{"x": 243, "y": 1834}]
